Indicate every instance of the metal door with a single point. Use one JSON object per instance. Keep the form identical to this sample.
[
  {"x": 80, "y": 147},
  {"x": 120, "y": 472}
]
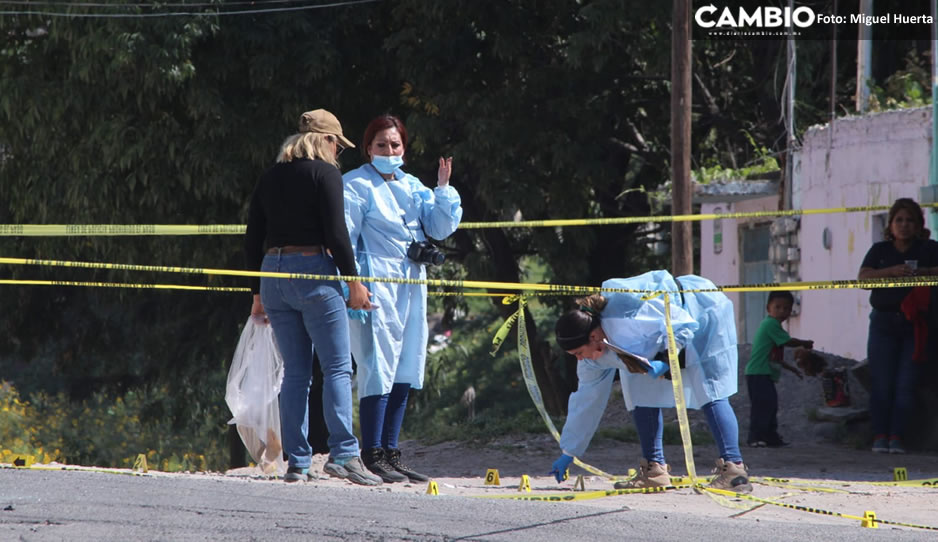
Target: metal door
[{"x": 756, "y": 269}]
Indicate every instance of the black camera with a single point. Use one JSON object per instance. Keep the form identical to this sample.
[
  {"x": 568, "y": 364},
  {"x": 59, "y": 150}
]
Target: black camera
[{"x": 425, "y": 252}]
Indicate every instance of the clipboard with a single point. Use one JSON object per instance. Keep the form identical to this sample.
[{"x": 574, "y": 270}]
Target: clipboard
[{"x": 625, "y": 353}]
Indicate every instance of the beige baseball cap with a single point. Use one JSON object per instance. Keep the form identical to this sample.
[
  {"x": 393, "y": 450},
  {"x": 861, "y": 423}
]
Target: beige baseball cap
[{"x": 323, "y": 122}]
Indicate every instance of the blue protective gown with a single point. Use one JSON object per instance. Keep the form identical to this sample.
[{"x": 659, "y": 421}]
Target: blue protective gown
[
  {"x": 383, "y": 219},
  {"x": 703, "y": 323}
]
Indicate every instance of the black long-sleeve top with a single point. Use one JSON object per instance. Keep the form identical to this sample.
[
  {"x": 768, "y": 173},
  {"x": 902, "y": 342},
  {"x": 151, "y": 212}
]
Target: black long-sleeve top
[
  {"x": 884, "y": 254},
  {"x": 298, "y": 203}
]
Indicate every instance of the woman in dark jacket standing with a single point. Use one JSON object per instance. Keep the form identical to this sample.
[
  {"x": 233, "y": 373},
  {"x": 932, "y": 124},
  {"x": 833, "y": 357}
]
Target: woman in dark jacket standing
[
  {"x": 907, "y": 251},
  {"x": 297, "y": 213}
]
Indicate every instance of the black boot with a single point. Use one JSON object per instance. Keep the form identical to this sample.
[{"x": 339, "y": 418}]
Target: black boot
[
  {"x": 374, "y": 460},
  {"x": 393, "y": 456}
]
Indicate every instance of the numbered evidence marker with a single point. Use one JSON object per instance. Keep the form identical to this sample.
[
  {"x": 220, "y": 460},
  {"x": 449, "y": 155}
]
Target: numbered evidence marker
[
  {"x": 869, "y": 520},
  {"x": 900, "y": 474},
  {"x": 433, "y": 488},
  {"x": 23, "y": 461},
  {"x": 491, "y": 478},
  {"x": 525, "y": 484},
  {"x": 141, "y": 463}
]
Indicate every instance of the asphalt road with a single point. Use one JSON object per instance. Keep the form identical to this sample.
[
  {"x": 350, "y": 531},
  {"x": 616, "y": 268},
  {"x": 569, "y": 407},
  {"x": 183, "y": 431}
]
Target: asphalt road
[{"x": 42, "y": 505}]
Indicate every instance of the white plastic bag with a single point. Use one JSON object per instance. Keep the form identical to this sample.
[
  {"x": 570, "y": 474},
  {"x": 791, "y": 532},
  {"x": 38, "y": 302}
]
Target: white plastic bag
[{"x": 252, "y": 395}]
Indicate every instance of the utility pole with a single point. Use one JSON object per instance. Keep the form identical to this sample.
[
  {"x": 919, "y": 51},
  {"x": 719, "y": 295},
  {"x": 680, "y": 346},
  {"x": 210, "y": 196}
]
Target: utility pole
[
  {"x": 790, "y": 89},
  {"x": 933, "y": 169},
  {"x": 864, "y": 58},
  {"x": 682, "y": 242}
]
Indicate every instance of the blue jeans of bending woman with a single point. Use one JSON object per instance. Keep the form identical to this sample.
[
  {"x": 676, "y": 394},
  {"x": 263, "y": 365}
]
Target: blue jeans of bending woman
[
  {"x": 307, "y": 314},
  {"x": 893, "y": 373},
  {"x": 720, "y": 417}
]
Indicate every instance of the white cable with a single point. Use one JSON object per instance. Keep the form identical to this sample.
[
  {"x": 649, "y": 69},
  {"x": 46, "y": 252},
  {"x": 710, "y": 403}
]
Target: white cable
[{"x": 185, "y": 13}]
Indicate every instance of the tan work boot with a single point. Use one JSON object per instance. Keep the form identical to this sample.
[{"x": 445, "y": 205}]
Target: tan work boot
[
  {"x": 731, "y": 477},
  {"x": 651, "y": 475}
]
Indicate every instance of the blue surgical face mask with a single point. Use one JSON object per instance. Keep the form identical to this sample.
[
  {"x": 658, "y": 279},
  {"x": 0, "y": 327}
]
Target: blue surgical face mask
[{"x": 387, "y": 164}]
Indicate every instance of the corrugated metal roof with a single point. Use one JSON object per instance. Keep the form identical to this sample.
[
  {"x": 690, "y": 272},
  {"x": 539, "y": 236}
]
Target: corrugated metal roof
[{"x": 729, "y": 191}]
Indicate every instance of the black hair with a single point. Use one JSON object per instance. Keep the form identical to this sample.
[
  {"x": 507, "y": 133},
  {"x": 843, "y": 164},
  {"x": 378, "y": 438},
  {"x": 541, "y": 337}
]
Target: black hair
[
  {"x": 574, "y": 327},
  {"x": 780, "y": 294},
  {"x": 914, "y": 210}
]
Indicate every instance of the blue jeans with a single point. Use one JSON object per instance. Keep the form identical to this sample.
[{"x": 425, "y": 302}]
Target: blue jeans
[
  {"x": 720, "y": 417},
  {"x": 650, "y": 426},
  {"x": 306, "y": 314},
  {"x": 724, "y": 428},
  {"x": 893, "y": 373},
  {"x": 381, "y": 417},
  {"x": 763, "y": 411}
]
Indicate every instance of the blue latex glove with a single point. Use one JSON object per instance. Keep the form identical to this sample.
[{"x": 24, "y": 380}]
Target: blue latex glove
[
  {"x": 658, "y": 368},
  {"x": 560, "y": 467},
  {"x": 353, "y": 314},
  {"x": 358, "y": 314}
]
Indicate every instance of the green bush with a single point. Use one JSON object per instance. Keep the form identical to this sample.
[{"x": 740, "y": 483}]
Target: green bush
[
  {"x": 111, "y": 432},
  {"x": 502, "y": 405}
]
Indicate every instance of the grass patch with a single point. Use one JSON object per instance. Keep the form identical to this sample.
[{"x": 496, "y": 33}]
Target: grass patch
[
  {"x": 621, "y": 434},
  {"x": 485, "y": 427},
  {"x": 671, "y": 434}
]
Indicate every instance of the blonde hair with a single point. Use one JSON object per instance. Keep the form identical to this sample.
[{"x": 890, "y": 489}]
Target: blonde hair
[{"x": 311, "y": 145}]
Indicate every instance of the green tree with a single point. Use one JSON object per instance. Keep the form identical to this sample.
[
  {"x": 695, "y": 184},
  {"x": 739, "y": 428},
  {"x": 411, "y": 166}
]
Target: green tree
[
  {"x": 156, "y": 120},
  {"x": 551, "y": 108}
]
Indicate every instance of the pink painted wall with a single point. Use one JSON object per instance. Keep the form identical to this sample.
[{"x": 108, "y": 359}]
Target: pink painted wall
[{"x": 870, "y": 160}]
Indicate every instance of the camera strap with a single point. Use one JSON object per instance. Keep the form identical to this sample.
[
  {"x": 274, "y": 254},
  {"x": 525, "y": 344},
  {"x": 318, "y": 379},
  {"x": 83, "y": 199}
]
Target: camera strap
[
  {"x": 409, "y": 231},
  {"x": 412, "y": 236},
  {"x": 404, "y": 220}
]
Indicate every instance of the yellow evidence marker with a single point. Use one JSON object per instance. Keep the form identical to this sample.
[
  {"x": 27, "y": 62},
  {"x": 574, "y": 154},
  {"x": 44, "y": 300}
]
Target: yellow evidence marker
[
  {"x": 22, "y": 461},
  {"x": 525, "y": 484},
  {"x": 900, "y": 474},
  {"x": 491, "y": 478},
  {"x": 433, "y": 488},
  {"x": 869, "y": 520},
  {"x": 141, "y": 463}
]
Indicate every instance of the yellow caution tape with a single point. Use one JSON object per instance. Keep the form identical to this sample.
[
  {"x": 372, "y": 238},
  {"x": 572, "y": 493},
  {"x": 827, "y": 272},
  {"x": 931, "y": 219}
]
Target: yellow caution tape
[
  {"x": 149, "y": 286},
  {"x": 671, "y": 218},
  {"x": 45, "y": 230},
  {"x": 924, "y": 482},
  {"x": 816, "y": 510},
  {"x": 503, "y": 331},
  {"x": 459, "y": 284},
  {"x": 88, "y": 230},
  {"x": 896, "y": 282},
  {"x": 581, "y": 496},
  {"x": 677, "y": 385},
  {"x": 551, "y": 289},
  {"x": 123, "y": 285},
  {"x": 530, "y": 382},
  {"x": 928, "y": 482},
  {"x": 803, "y": 487}
]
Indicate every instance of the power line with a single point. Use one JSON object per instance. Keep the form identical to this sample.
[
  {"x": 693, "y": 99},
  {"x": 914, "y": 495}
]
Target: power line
[
  {"x": 144, "y": 5},
  {"x": 186, "y": 13}
]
